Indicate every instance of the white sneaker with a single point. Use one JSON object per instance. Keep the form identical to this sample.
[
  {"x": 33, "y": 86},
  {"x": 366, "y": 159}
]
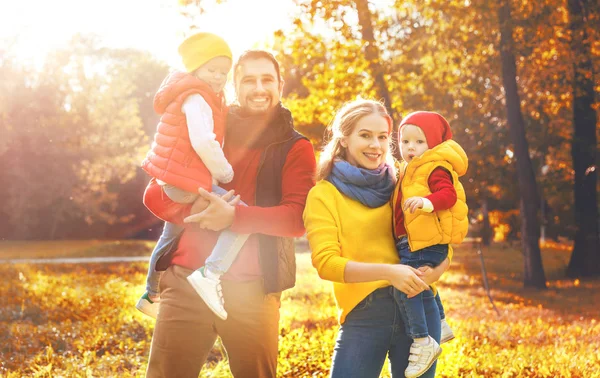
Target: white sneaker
[
  {"x": 209, "y": 289},
  {"x": 422, "y": 357},
  {"x": 147, "y": 306},
  {"x": 447, "y": 333}
]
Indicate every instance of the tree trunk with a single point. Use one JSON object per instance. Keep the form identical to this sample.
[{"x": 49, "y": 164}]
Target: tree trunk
[
  {"x": 486, "y": 229},
  {"x": 530, "y": 229},
  {"x": 365, "y": 21},
  {"x": 585, "y": 260}
]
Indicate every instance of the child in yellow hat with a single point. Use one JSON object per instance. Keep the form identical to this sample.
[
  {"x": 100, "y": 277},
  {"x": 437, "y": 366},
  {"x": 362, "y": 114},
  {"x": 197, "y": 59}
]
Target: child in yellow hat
[{"x": 187, "y": 155}]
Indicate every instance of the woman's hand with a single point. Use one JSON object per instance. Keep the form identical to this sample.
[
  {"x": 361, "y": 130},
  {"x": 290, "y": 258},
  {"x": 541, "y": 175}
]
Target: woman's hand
[
  {"x": 431, "y": 275},
  {"x": 406, "y": 279}
]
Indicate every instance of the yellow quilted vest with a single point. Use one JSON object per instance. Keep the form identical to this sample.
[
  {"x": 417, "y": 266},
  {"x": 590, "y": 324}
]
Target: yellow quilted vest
[{"x": 438, "y": 227}]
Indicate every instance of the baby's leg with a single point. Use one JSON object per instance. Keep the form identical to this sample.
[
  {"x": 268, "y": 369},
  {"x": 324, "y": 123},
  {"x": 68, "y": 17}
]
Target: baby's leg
[
  {"x": 411, "y": 309},
  {"x": 438, "y": 301},
  {"x": 182, "y": 196},
  {"x": 433, "y": 256},
  {"x": 447, "y": 333},
  {"x": 164, "y": 244},
  {"x": 179, "y": 195},
  {"x": 207, "y": 280},
  {"x": 425, "y": 350},
  {"x": 148, "y": 303}
]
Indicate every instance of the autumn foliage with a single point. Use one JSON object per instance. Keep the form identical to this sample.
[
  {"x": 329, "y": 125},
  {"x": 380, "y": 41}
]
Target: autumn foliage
[{"x": 79, "y": 321}]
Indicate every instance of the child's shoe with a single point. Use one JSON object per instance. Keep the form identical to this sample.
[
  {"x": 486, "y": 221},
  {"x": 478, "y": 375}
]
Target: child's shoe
[
  {"x": 208, "y": 287},
  {"x": 421, "y": 357},
  {"x": 148, "y": 306},
  {"x": 447, "y": 333}
]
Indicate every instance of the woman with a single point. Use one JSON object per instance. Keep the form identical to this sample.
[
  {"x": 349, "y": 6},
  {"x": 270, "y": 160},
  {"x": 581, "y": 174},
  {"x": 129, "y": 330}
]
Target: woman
[{"x": 348, "y": 220}]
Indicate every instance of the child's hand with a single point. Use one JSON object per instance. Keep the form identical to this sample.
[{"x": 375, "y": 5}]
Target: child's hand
[{"x": 413, "y": 203}]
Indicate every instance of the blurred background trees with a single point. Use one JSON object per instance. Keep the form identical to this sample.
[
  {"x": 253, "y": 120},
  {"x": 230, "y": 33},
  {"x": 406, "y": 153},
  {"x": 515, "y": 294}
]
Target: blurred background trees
[{"x": 74, "y": 133}]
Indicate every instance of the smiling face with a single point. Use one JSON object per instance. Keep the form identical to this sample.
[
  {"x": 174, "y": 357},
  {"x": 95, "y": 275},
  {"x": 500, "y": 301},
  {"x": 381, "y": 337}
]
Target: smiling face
[
  {"x": 413, "y": 142},
  {"x": 214, "y": 72},
  {"x": 257, "y": 85},
  {"x": 368, "y": 144}
]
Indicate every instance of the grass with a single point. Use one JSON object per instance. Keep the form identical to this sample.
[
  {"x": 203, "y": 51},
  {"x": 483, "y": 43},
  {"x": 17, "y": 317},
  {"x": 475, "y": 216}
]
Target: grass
[
  {"x": 74, "y": 248},
  {"x": 66, "y": 320}
]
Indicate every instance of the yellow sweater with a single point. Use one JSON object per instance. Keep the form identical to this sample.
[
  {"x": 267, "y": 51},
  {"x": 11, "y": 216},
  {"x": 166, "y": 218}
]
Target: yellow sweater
[{"x": 340, "y": 229}]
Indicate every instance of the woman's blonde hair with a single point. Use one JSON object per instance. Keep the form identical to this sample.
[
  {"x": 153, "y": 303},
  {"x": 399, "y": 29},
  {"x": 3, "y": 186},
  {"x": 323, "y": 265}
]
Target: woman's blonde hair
[{"x": 343, "y": 125}]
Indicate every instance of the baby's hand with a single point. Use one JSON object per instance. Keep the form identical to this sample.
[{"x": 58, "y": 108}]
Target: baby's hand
[{"x": 413, "y": 203}]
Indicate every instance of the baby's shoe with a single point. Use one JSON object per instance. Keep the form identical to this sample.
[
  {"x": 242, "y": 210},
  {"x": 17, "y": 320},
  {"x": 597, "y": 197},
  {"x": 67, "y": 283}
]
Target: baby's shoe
[
  {"x": 208, "y": 287},
  {"x": 148, "y": 306},
  {"x": 421, "y": 357},
  {"x": 447, "y": 333}
]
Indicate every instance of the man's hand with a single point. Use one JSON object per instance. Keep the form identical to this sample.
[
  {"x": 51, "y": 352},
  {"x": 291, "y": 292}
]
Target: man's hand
[
  {"x": 219, "y": 214},
  {"x": 413, "y": 203},
  {"x": 199, "y": 205}
]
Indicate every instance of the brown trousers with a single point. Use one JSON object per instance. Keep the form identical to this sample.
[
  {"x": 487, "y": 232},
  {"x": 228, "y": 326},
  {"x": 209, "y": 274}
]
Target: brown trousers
[{"x": 186, "y": 329}]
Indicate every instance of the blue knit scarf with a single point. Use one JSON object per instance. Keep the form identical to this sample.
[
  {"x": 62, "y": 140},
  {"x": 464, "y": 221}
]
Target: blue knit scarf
[{"x": 372, "y": 187}]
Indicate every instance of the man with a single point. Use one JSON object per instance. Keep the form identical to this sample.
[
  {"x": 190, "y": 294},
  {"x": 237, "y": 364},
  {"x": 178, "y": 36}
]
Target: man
[{"x": 273, "y": 172}]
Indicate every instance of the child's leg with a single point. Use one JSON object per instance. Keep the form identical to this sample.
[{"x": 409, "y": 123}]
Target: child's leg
[
  {"x": 447, "y": 333},
  {"x": 438, "y": 301},
  {"x": 148, "y": 303},
  {"x": 167, "y": 238},
  {"x": 424, "y": 350},
  {"x": 225, "y": 252},
  {"x": 166, "y": 241},
  {"x": 411, "y": 309},
  {"x": 206, "y": 280},
  {"x": 227, "y": 248},
  {"x": 179, "y": 195}
]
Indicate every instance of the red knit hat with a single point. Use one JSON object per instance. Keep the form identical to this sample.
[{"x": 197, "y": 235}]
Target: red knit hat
[{"x": 435, "y": 127}]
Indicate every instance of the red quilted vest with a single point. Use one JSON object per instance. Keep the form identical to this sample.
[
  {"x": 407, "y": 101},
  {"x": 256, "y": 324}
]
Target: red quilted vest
[{"x": 172, "y": 158}]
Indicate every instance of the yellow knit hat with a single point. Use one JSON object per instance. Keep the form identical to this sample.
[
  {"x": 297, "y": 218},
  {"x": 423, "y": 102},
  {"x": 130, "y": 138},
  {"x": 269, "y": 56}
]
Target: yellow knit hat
[{"x": 200, "y": 48}]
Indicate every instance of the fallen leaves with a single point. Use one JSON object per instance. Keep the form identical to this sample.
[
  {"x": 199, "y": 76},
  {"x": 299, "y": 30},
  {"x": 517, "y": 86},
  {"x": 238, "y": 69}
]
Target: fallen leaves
[{"x": 80, "y": 321}]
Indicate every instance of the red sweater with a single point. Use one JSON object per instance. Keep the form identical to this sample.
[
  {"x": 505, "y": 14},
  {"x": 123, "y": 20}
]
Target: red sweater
[
  {"x": 196, "y": 244},
  {"x": 442, "y": 197}
]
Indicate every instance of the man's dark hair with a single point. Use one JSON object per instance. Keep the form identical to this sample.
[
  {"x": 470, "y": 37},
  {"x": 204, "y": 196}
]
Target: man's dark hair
[{"x": 256, "y": 54}]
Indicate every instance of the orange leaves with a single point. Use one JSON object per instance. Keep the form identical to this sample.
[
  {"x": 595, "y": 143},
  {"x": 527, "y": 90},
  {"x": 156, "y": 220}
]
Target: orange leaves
[
  {"x": 71, "y": 320},
  {"x": 551, "y": 244},
  {"x": 78, "y": 320}
]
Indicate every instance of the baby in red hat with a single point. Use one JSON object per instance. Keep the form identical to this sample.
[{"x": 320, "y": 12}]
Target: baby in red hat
[{"x": 430, "y": 212}]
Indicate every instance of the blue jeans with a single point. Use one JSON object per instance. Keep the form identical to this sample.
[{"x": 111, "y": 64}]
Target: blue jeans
[
  {"x": 438, "y": 301},
  {"x": 219, "y": 261},
  {"x": 412, "y": 309},
  {"x": 167, "y": 240},
  {"x": 374, "y": 329}
]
